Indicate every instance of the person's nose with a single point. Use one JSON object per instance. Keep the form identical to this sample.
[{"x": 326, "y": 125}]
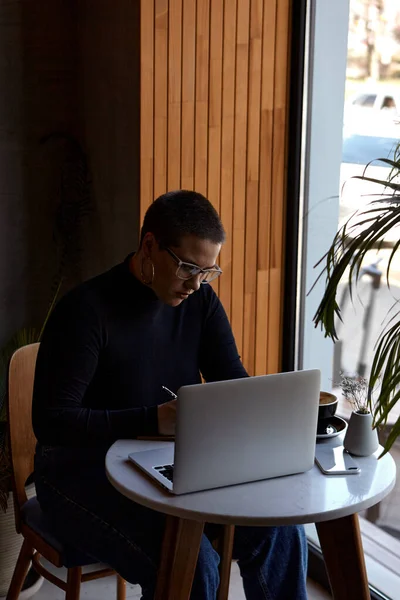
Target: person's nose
[{"x": 194, "y": 282}]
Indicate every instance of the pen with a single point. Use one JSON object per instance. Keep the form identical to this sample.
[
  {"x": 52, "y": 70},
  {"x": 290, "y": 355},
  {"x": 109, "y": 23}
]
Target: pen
[{"x": 174, "y": 396}]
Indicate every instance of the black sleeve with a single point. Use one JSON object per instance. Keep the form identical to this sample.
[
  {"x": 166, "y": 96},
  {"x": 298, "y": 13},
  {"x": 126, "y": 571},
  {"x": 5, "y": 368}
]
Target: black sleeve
[
  {"x": 219, "y": 358},
  {"x": 67, "y": 360}
]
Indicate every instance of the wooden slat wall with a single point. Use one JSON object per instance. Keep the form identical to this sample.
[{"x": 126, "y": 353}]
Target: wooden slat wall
[{"x": 214, "y": 88}]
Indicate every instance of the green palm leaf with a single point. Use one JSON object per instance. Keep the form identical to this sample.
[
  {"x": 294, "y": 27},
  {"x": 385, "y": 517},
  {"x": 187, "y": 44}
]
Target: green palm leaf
[{"x": 366, "y": 230}]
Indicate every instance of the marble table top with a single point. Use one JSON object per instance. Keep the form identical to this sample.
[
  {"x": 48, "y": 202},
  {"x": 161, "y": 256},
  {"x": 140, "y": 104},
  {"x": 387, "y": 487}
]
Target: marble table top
[{"x": 308, "y": 497}]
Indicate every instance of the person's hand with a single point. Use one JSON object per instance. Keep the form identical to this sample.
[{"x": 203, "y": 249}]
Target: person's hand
[{"x": 166, "y": 414}]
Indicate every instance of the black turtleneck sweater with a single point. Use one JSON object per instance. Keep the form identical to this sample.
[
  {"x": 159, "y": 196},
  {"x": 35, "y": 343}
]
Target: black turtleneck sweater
[{"x": 107, "y": 349}]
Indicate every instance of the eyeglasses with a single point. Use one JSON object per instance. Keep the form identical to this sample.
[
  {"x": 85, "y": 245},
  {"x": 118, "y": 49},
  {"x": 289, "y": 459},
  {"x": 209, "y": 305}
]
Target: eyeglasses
[{"x": 187, "y": 270}]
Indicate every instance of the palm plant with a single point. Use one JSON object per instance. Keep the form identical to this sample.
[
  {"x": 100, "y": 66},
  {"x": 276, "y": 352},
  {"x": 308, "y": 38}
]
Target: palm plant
[
  {"x": 362, "y": 232},
  {"x": 73, "y": 204}
]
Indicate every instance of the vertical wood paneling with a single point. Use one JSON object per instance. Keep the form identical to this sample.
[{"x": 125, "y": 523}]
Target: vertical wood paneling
[
  {"x": 239, "y": 169},
  {"x": 252, "y": 183},
  {"x": 214, "y": 85},
  {"x": 174, "y": 94},
  {"x": 278, "y": 180},
  {"x": 146, "y": 105},
  {"x": 202, "y": 86},
  {"x": 188, "y": 92},
  {"x": 160, "y": 96},
  {"x": 215, "y": 106},
  {"x": 265, "y": 200},
  {"x": 227, "y": 147}
]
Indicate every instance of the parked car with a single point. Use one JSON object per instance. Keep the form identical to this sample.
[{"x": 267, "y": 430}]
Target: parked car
[
  {"x": 379, "y": 106},
  {"x": 358, "y": 150},
  {"x": 376, "y": 99}
]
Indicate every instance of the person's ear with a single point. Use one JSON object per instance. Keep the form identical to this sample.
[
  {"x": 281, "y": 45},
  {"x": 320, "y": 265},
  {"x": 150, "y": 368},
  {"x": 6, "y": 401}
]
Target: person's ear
[{"x": 148, "y": 244}]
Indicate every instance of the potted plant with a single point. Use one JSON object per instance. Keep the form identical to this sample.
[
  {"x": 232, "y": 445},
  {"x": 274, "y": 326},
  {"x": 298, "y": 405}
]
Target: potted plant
[
  {"x": 72, "y": 206},
  {"x": 362, "y": 232},
  {"x": 360, "y": 439}
]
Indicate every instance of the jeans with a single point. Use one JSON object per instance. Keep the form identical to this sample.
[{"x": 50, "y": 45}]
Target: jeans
[{"x": 86, "y": 512}]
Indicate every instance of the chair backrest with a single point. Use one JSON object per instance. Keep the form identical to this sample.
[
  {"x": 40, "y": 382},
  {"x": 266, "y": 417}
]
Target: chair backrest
[{"x": 21, "y": 375}]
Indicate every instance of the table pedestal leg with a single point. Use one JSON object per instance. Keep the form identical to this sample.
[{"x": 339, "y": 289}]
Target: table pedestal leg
[
  {"x": 179, "y": 554},
  {"x": 342, "y": 548}
]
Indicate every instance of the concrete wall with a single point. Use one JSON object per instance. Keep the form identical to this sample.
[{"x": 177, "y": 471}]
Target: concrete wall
[{"x": 73, "y": 67}]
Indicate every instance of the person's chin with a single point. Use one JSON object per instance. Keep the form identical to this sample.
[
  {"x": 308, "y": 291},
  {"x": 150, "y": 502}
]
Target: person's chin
[
  {"x": 176, "y": 298},
  {"x": 172, "y": 300},
  {"x": 176, "y": 302}
]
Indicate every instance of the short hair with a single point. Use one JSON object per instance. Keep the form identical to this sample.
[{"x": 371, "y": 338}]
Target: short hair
[{"x": 177, "y": 214}]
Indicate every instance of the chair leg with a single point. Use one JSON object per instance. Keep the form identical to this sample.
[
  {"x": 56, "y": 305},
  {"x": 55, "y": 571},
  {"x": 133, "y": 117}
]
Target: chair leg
[
  {"x": 73, "y": 583},
  {"x": 121, "y": 588},
  {"x": 20, "y": 571}
]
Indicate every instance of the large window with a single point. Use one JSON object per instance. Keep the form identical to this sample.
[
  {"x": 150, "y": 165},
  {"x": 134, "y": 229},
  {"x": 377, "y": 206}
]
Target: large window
[{"x": 352, "y": 117}]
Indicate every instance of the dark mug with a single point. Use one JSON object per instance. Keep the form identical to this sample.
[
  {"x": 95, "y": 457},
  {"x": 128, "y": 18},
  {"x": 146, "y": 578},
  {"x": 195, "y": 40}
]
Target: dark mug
[{"x": 327, "y": 408}]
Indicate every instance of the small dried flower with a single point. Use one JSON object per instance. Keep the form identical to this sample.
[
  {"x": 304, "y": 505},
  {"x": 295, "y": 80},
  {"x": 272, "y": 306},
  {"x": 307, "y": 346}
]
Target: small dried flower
[{"x": 355, "y": 390}]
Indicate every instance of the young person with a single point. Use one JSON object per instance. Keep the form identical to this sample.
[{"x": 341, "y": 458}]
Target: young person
[{"x": 108, "y": 349}]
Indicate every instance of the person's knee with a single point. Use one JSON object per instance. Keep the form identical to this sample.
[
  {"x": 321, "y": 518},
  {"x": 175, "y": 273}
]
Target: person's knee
[
  {"x": 272, "y": 561},
  {"x": 292, "y": 539},
  {"x": 290, "y": 544},
  {"x": 257, "y": 544},
  {"x": 300, "y": 545},
  {"x": 294, "y": 536},
  {"x": 292, "y": 533}
]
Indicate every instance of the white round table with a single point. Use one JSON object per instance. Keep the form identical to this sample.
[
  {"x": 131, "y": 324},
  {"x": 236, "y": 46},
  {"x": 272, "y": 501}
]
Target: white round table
[{"x": 332, "y": 502}]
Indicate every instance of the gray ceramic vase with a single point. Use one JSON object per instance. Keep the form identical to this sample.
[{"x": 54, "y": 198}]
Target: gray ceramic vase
[{"x": 360, "y": 438}]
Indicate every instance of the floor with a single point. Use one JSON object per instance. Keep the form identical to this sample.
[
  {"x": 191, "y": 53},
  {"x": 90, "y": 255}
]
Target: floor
[{"x": 103, "y": 589}]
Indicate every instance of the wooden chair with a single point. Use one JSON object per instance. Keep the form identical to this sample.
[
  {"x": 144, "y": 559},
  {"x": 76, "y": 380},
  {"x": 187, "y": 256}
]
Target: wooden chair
[{"x": 39, "y": 540}]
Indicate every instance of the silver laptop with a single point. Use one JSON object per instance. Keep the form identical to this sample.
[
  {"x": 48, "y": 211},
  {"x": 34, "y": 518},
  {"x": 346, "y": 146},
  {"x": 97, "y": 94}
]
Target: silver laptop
[{"x": 231, "y": 432}]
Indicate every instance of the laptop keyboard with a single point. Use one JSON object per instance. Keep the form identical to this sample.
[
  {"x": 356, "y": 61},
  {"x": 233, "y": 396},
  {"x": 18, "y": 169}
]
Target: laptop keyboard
[{"x": 166, "y": 471}]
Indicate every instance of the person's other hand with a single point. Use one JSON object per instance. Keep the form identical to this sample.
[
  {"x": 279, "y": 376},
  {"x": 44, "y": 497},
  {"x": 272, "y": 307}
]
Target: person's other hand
[{"x": 166, "y": 414}]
